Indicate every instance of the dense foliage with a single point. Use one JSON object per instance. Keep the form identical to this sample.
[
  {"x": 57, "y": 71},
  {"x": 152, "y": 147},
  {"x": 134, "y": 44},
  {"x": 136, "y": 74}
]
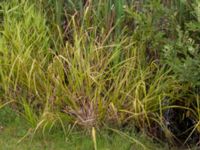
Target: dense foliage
[{"x": 94, "y": 64}]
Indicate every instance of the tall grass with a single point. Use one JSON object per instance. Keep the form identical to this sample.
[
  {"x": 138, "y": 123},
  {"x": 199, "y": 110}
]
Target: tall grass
[{"x": 70, "y": 63}]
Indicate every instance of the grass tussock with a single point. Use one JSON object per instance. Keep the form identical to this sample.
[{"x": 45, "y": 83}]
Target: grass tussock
[{"x": 96, "y": 64}]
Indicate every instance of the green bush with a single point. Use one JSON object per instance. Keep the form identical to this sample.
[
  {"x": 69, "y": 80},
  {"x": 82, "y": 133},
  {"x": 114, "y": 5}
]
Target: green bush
[{"x": 183, "y": 54}]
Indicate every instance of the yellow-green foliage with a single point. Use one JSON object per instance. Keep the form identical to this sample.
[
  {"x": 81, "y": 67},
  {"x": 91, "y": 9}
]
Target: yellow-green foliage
[{"x": 94, "y": 65}]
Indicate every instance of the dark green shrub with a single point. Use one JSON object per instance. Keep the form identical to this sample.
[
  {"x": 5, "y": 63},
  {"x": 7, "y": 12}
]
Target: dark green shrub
[
  {"x": 182, "y": 53},
  {"x": 183, "y": 57}
]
